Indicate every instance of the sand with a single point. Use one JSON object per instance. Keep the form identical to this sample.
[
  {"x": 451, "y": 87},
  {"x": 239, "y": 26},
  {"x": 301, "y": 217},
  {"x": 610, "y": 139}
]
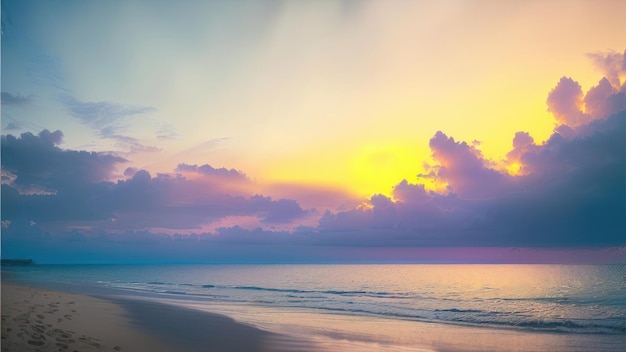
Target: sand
[
  {"x": 35, "y": 319},
  {"x": 41, "y": 320}
]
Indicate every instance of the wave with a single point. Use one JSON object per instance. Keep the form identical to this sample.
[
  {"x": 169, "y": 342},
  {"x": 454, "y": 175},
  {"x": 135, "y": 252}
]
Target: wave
[
  {"x": 454, "y": 310},
  {"x": 329, "y": 292},
  {"x": 601, "y": 327},
  {"x": 364, "y": 302}
]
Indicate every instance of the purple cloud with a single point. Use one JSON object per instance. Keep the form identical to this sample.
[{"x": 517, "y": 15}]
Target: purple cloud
[
  {"x": 73, "y": 191},
  {"x": 565, "y": 102},
  {"x": 37, "y": 161},
  {"x": 611, "y": 64},
  {"x": 463, "y": 168},
  {"x": 569, "y": 193},
  {"x": 208, "y": 170}
]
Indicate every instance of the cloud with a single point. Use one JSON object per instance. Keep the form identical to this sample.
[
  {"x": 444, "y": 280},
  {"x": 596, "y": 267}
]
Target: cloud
[
  {"x": 12, "y": 126},
  {"x": 463, "y": 168},
  {"x": 109, "y": 120},
  {"x": 573, "y": 195},
  {"x": 566, "y": 192},
  {"x": 65, "y": 189},
  {"x": 208, "y": 170},
  {"x": 523, "y": 143},
  {"x": 100, "y": 114},
  {"x": 611, "y": 64},
  {"x": 14, "y": 99},
  {"x": 565, "y": 102},
  {"x": 571, "y": 108},
  {"x": 166, "y": 131},
  {"x": 129, "y": 143},
  {"x": 37, "y": 161}
]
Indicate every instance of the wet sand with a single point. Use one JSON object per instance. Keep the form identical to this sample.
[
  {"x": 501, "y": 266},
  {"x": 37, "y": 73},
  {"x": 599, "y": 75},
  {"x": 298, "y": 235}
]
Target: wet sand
[{"x": 35, "y": 319}]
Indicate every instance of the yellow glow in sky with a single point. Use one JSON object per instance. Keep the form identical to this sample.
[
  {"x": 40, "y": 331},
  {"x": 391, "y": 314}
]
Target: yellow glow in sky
[{"x": 340, "y": 93}]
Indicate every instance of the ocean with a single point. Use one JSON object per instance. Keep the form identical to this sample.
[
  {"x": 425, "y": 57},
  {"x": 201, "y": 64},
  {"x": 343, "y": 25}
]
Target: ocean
[{"x": 568, "y": 307}]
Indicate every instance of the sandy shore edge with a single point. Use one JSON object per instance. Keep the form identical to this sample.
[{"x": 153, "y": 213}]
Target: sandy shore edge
[{"x": 35, "y": 319}]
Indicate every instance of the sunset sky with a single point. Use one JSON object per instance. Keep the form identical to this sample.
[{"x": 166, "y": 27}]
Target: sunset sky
[{"x": 314, "y": 130}]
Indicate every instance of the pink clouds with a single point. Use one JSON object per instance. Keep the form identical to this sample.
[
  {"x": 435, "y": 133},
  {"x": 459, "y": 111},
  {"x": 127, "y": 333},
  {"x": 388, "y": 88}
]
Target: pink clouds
[
  {"x": 568, "y": 193},
  {"x": 611, "y": 64},
  {"x": 463, "y": 168},
  {"x": 571, "y": 108},
  {"x": 565, "y": 102}
]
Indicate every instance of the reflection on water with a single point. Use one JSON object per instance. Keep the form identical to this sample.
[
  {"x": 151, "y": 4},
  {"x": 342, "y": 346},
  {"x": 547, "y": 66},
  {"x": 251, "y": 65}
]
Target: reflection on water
[{"x": 338, "y": 332}]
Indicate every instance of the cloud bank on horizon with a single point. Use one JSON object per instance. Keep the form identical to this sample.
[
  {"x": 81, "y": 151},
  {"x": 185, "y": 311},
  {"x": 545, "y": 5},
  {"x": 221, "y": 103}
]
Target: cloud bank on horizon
[
  {"x": 313, "y": 131},
  {"x": 568, "y": 191}
]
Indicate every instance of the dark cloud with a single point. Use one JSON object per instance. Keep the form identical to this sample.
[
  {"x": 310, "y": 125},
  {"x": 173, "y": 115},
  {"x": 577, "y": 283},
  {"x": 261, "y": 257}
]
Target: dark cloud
[
  {"x": 572, "y": 196},
  {"x": 37, "y": 161},
  {"x": 282, "y": 210},
  {"x": 64, "y": 189},
  {"x": 47, "y": 183},
  {"x": 175, "y": 202},
  {"x": 604, "y": 99},
  {"x": 14, "y": 99}
]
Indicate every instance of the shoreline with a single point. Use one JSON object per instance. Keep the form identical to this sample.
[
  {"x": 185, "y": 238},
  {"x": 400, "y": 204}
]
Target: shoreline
[
  {"x": 37, "y": 319},
  {"x": 149, "y": 323}
]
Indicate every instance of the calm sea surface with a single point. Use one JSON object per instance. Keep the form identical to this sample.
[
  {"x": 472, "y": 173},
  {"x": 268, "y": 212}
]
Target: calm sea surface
[{"x": 567, "y": 300}]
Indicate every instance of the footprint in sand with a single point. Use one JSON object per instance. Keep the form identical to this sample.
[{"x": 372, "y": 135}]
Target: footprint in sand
[
  {"x": 36, "y": 342},
  {"x": 22, "y": 317},
  {"x": 62, "y": 345},
  {"x": 89, "y": 341}
]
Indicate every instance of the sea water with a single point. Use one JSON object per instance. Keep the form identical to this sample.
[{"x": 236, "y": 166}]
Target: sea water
[{"x": 580, "y": 302}]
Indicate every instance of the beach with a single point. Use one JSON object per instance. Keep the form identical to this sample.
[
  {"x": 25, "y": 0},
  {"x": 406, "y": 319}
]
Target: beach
[
  {"x": 298, "y": 308},
  {"x": 35, "y": 319}
]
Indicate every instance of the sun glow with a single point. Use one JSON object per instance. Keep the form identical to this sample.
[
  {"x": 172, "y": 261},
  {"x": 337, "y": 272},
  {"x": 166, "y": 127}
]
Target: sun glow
[
  {"x": 377, "y": 169},
  {"x": 514, "y": 169}
]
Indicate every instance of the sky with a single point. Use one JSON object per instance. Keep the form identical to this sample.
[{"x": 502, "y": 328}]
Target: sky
[{"x": 314, "y": 131}]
